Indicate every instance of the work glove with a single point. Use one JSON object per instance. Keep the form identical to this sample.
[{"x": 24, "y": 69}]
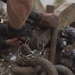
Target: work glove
[{"x": 49, "y": 20}]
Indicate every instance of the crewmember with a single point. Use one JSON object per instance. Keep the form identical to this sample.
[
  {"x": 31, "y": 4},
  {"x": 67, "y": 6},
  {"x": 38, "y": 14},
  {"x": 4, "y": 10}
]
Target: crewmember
[{"x": 18, "y": 12}]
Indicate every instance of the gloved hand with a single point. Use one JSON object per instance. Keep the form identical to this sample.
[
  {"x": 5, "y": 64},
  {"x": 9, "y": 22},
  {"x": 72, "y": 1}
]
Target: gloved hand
[{"x": 49, "y": 20}]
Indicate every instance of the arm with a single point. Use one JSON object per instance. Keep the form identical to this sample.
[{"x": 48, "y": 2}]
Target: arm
[
  {"x": 35, "y": 16},
  {"x": 3, "y": 42},
  {"x": 2, "y": 36},
  {"x": 45, "y": 19}
]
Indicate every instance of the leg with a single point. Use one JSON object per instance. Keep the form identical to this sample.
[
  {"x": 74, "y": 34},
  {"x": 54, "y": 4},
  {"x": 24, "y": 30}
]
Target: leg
[{"x": 18, "y": 11}]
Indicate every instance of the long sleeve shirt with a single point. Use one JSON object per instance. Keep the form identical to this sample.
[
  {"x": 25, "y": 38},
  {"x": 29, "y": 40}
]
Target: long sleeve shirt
[{"x": 3, "y": 35}]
